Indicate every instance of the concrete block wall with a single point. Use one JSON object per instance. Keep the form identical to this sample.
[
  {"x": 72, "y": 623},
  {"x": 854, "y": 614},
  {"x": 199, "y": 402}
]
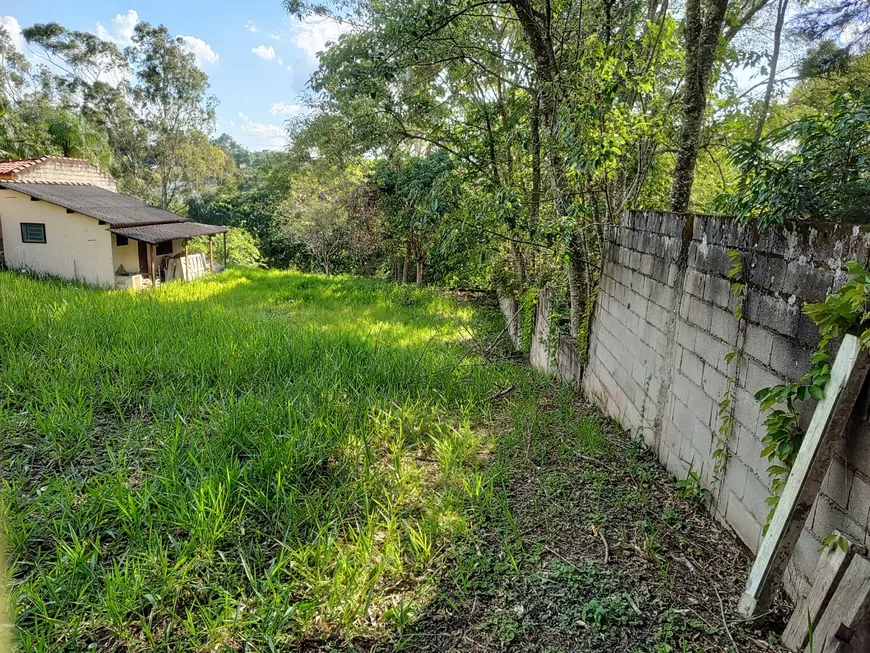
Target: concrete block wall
[
  {"x": 663, "y": 324},
  {"x": 561, "y": 358},
  {"x": 66, "y": 171}
]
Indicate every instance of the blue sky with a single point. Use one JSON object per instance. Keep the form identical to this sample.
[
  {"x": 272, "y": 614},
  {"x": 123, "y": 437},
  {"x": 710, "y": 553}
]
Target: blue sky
[{"x": 258, "y": 59}]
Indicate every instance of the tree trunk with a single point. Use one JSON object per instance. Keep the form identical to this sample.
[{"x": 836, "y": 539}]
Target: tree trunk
[
  {"x": 534, "y": 210},
  {"x": 419, "y": 271},
  {"x": 774, "y": 62},
  {"x": 578, "y": 281},
  {"x": 407, "y": 265},
  {"x": 701, "y": 34}
]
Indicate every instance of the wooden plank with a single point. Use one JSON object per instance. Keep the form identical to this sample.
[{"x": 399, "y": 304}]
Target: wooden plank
[
  {"x": 832, "y": 564},
  {"x": 186, "y": 254},
  {"x": 844, "y": 622},
  {"x": 210, "y": 255},
  {"x": 225, "y": 249},
  {"x": 825, "y": 430}
]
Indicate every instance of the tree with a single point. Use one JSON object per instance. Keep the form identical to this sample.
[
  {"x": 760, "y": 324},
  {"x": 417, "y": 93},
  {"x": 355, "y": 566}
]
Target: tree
[
  {"x": 787, "y": 177},
  {"x": 171, "y": 100},
  {"x": 702, "y": 28},
  {"x": 316, "y": 214}
]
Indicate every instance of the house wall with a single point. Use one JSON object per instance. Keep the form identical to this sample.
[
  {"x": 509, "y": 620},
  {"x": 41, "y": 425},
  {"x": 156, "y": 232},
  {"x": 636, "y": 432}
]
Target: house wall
[
  {"x": 77, "y": 247},
  {"x": 67, "y": 171},
  {"x": 663, "y": 323},
  {"x": 128, "y": 255}
]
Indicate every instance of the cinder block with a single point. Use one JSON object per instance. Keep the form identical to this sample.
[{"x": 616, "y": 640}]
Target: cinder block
[
  {"x": 714, "y": 383},
  {"x": 676, "y": 466},
  {"x": 686, "y": 335},
  {"x": 806, "y": 554},
  {"x": 773, "y": 312},
  {"x": 710, "y": 348},
  {"x": 692, "y": 367},
  {"x": 735, "y": 477},
  {"x": 789, "y": 358},
  {"x": 748, "y": 528},
  {"x": 758, "y": 343},
  {"x": 717, "y": 291},
  {"x": 699, "y": 313},
  {"x": 755, "y": 378},
  {"x": 827, "y": 518},
  {"x": 746, "y": 410},
  {"x": 837, "y": 486},
  {"x": 723, "y": 325},
  {"x": 859, "y": 499},
  {"x": 702, "y": 438},
  {"x": 755, "y": 495},
  {"x": 694, "y": 284},
  {"x": 806, "y": 281},
  {"x": 749, "y": 448}
]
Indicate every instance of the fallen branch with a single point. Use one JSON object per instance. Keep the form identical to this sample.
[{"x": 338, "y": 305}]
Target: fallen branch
[
  {"x": 501, "y": 393},
  {"x": 724, "y": 620},
  {"x": 606, "y": 547}
]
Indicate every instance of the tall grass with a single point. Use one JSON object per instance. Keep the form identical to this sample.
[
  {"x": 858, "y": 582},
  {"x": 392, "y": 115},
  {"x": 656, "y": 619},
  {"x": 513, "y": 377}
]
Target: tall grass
[{"x": 256, "y": 457}]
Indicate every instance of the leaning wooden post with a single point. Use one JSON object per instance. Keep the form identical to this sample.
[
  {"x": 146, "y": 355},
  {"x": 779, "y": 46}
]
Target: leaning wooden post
[
  {"x": 152, "y": 249},
  {"x": 225, "y": 249},
  {"x": 186, "y": 260},
  {"x": 814, "y": 456},
  {"x": 210, "y": 254}
]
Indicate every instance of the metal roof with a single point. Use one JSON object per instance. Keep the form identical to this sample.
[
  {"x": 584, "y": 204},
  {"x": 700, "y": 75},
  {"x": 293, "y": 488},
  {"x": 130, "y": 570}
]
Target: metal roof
[
  {"x": 158, "y": 233},
  {"x": 112, "y": 208}
]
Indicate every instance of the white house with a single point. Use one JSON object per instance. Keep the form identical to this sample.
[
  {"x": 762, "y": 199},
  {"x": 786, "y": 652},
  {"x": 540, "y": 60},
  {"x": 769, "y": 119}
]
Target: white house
[{"x": 63, "y": 217}]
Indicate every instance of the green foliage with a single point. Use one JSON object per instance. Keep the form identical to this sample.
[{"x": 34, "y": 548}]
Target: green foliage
[
  {"x": 727, "y": 405},
  {"x": 296, "y": 452},
  {"x": 787, "y": 177},
  {"x": 242, "y": 249},
  {"x": 692, "y": 488},
  {"x": 832, "y": 540},
  {"x": 841, "y": 311}
]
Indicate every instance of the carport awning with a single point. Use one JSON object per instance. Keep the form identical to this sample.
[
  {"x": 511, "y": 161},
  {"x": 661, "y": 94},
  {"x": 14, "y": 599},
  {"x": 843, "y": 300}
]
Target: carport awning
[{"x": 158, "y": 233}]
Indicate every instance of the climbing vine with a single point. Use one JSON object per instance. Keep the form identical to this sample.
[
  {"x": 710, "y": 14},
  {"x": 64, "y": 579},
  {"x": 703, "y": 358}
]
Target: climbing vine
[
  {"x": 722, "y": 454},
  {"x": 840, "y": 312}
]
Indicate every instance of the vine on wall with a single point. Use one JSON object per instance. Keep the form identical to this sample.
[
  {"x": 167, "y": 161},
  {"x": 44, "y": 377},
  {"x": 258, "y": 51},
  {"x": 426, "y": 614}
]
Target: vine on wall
[
  {"x": 839, "y": 313},
  {"x": 722, "y": 454}
]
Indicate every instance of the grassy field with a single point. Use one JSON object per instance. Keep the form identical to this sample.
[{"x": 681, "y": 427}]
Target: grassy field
[
  {"x": 263, "y": 461},
  {"x": 268, "y": 454}
]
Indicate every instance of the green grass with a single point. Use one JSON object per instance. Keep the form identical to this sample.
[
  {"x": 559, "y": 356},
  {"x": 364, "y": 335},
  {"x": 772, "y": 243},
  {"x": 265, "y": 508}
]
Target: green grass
[
  {"x": 253, "y": 458},
  {"x": 272, "y": 461}
]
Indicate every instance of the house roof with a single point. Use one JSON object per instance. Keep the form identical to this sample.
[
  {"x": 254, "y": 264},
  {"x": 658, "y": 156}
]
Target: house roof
[
  {"x": 8, "y": 168},
  {"x": 112, "y": 208},
  {"x": 158, "y": 233}
]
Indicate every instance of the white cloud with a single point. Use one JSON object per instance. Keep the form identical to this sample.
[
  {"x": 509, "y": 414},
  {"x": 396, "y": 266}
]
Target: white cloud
[
  {"x": 266, "y": 136},
  {"x": 243, "y": 117},
  {"x": 284, "y": 109},
  {"x": 232, "y": 123},
  {"x": 252, "y": 27},
  {"x": 312, "y": 35},
  {"x": 121, "y": 28},
  {"x": 274, "y": 37},
  {"x": 13, "y": 29},
  {"x": 264, "y": 52},
  {"x": 199, "y": 49}
]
